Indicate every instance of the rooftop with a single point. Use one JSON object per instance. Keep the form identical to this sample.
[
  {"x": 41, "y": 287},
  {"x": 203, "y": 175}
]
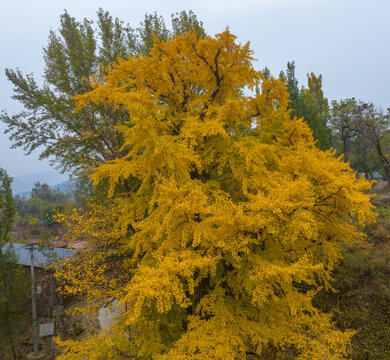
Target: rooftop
[{"x": 42, "y": 257}]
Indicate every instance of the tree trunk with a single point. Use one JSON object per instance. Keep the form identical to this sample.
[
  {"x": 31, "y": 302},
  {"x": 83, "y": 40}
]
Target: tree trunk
[{"x": 385, "y": 162}]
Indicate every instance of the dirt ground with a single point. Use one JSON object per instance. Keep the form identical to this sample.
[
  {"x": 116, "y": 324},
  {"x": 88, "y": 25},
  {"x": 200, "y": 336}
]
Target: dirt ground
[{"x": 79, "y": 326}]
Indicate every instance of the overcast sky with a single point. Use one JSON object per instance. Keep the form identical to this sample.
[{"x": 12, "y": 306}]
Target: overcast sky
[{"x": 347, "y": 41}]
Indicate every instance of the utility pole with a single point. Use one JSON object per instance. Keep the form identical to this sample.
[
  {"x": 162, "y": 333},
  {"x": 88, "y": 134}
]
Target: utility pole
[{"x": 33, "y": 299}]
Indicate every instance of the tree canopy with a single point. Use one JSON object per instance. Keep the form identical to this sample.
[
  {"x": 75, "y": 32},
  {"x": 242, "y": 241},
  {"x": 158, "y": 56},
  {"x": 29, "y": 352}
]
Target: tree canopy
[
  {"x": 7, "y": 207},
  {"x": 13, "y": 294},
  {"x": 361, "y": 133},
  {"x": 223, "y": 219},
  {"x": 77, "y": 141},
  {"x": 309, "y": 103}
]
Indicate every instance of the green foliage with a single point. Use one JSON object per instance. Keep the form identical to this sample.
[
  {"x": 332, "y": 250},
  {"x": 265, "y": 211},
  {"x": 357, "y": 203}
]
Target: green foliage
[
  {"x": 362, "y": 300},
  {"x": 12, "y": 281},
  {"x": 183, "y": 22},
  {"x": 309, "y": 104},
  {"x": 316, "y": 110},
  {"x": 7, "y": 207},
  {"x": 360, "y": 132},
  {"x": 35, "y": 215},
  {"x": 72, "y": 141},
  {"x": 344, "y": 123},
  {"x": 152, "y": 26},
  {"x": 45, "y": 193},
  {"x": 30, "y": 207},
  {"x": 50, "y": 211},
  {"x": 42, "y": 197},
  {"x": 13, "y": 298},
  {"x": 296, "y": 104}
]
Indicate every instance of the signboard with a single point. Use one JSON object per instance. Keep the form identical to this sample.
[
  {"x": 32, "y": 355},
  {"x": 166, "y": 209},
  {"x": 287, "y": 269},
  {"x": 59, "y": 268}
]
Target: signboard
[{"x": 46, "y": 329}]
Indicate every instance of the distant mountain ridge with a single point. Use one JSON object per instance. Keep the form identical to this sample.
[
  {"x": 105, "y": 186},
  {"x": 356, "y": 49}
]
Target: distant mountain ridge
[
  {"x": 23, "y": 184},
  {"x": 64, "y": 186}
]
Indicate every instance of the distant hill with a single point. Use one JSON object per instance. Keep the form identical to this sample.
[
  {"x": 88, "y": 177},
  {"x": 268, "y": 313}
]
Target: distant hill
[
  {"x": 65, "y": 186},
  {"x": 22, "y": 185},
  {"x": 19, "y": 186}
]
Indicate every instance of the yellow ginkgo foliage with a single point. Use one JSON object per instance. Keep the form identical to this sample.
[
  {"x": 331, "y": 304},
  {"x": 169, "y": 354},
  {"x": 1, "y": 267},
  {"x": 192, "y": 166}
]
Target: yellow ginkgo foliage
[{"x": 222, "y": 218}]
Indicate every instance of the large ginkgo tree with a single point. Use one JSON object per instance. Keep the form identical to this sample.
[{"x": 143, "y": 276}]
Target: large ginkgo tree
[{"x": 222, "y": 219}]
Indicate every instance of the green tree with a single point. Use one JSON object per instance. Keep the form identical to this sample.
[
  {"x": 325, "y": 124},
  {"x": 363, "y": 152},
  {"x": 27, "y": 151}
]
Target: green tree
[
  {"x": 374, "y": 126},
  {"x": 12, "y": 279},
  {"x": 296, "y": 100},
  {"x": 43, "y": 192},
  {"x": 344, "y": 123},
  {"x": 183, "y": 22},
  {"x": 309, "y": 103},
  {"x": 75, "y": 53},
  {"x": 360, "y": 131},
  {"x": 7, "y": 207},
  {"x": 316, "y": 110},
  {"x": 50, "y": 211}
]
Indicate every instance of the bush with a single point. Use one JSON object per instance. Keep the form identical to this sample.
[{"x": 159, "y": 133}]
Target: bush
[{"x": 362, "y": 300}]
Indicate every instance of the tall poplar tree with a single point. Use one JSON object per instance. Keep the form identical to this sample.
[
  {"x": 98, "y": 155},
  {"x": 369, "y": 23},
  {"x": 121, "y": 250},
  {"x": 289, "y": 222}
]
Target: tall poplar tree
[
  {"x": 75, "y": 142},
  {"x": 310, "y": 104},
  {"x": 231, "y": 222}
]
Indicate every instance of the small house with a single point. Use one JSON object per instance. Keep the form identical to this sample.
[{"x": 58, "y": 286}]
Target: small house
[
  {"x": 374, "y": 176},
  {"x": 47, "y": 297}
]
